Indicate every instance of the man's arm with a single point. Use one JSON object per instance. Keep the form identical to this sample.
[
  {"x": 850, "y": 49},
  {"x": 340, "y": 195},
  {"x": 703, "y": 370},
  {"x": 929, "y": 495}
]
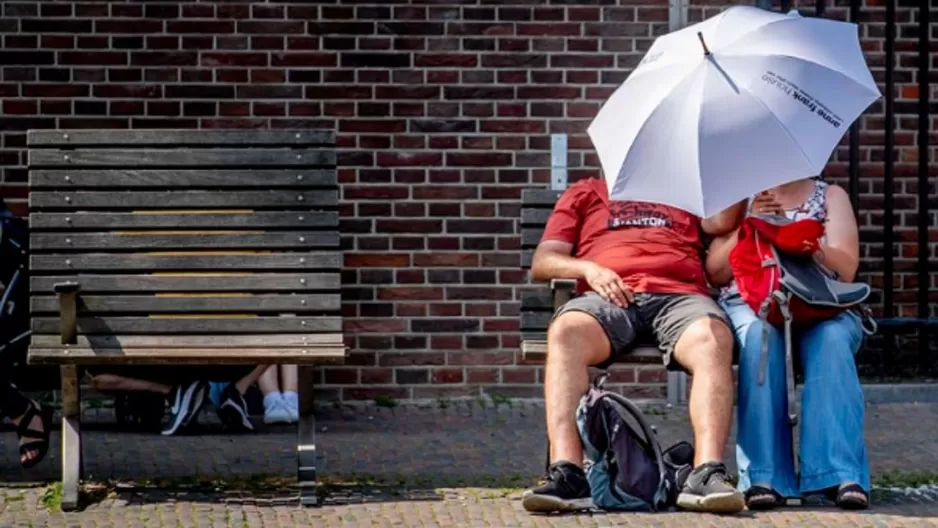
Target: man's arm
[{"x": 554, "y": 259}]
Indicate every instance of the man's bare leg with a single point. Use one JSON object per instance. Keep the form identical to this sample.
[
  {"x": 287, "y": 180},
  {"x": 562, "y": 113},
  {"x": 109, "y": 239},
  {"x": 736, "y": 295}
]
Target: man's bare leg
[
  {"x": 705, "y": 349},
  {"x": 575, "y": 340}
]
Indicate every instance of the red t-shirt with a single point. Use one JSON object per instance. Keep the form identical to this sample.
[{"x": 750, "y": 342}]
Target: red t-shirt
[{"x": 654, "y": 248}]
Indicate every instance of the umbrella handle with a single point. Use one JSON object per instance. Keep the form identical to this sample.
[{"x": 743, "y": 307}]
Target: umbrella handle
[{"x": 704, "y": 44}]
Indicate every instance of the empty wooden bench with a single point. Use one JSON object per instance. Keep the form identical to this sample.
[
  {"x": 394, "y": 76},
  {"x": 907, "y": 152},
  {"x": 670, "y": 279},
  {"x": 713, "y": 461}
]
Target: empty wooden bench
[
  {"x": 184, "y": 247},
  {"x": 537, "y": 307}
]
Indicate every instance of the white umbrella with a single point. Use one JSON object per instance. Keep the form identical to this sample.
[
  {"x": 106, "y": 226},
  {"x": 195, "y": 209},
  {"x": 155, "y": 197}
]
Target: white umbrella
[{"x": 731, "y": 106}]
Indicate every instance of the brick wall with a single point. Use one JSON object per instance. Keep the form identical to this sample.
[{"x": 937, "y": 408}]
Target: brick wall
[{"x": 444, "y": 111}]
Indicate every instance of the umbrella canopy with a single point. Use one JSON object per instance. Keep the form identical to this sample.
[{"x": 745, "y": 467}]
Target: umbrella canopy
[{"x": 731, "y": 106}]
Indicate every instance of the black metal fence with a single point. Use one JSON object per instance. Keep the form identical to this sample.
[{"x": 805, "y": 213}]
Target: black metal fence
[{"x": 905, "y": 346}]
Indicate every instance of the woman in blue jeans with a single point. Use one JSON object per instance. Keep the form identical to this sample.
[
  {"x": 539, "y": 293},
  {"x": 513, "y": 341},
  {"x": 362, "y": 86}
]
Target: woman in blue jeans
[{"x": 832, "y": 456}]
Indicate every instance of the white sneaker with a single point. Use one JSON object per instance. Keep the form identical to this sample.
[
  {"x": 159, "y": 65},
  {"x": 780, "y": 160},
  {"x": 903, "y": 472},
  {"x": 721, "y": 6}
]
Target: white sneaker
[{"x": 276, "y": 413}]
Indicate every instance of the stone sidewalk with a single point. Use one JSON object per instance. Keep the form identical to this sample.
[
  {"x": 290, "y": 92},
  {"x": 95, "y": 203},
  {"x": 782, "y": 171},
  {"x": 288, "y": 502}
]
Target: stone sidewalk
[{"x": 449, "y": 464}]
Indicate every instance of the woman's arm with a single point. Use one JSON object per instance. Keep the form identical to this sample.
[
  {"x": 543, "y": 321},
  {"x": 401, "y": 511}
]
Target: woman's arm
[
  {"x": 840, "y": 252},
  {"x": 725, "y": 221},
  {"x": 717, "y": 265}
]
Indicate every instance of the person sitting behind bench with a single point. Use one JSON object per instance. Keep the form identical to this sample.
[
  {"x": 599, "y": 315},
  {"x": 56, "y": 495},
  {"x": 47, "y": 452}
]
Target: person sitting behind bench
[
  {"x": 639, "y": 269},
  {"x": 186, "y": 390}
]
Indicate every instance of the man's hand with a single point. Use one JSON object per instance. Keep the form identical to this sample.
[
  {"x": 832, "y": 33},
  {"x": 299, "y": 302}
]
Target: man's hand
[
  {"x": 765, "y": 203},
  {"x": 609, "y": 285}
]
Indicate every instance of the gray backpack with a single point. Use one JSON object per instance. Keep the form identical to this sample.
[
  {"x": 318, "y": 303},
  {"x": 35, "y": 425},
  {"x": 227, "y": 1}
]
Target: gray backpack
[{"x": 625, "y": 466}]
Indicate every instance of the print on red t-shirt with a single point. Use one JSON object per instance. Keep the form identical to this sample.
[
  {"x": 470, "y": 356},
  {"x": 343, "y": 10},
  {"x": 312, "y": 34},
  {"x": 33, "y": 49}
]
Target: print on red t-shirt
[{"x": 655, "y": 248}]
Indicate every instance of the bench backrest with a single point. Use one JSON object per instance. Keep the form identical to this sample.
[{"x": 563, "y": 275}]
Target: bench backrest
[
  {"x": 536, "y": 305},
  {"x": 200, "y": 245}
]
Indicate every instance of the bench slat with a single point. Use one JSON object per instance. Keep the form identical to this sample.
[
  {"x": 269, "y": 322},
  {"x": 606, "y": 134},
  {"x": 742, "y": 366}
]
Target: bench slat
[
  {"x": 536, "y": 350},
  {"x": 303, "y": 240},
  {"x": 182, "y": 356},
  {"x": 536, "y": 301},
  {"x": 184, "y": 178},
  {"x": 180, "y": 157},
  {"x": 530, "y": 237},
  {"x": 539, "y": 197},
  {"x": 192, "y": 341},
  {"x": 115, "y": 200},
  {"x": 150, "y": 304},
  {"x": 535, "y": 217},
  {"x": 179, "y": 261},
  {"x": 220, "y": 282},
  {"x": 193, "y": 325},
  {"x": 203, "y": 137},
  {"x": 200, "y": 220}
]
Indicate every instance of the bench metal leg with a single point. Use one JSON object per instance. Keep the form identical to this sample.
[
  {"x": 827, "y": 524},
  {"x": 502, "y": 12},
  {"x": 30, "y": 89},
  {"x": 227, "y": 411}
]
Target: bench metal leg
[
  {"x": 71, "y": 437},
  {"x": 677, "y": 388},
  {"x": 306, "y": 440}
]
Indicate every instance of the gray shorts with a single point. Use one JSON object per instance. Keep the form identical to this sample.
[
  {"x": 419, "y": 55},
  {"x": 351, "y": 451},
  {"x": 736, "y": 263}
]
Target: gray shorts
[{"x": 653, "y": 317}]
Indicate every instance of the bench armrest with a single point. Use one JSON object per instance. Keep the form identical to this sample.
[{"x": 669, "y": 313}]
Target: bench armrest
[{"x": 561, "y": 291}]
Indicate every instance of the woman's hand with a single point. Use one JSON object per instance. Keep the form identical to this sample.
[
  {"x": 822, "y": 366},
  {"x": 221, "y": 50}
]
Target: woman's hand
[
  {"x": 765, "y": 203},
  {"x": 609, "y": 285}
]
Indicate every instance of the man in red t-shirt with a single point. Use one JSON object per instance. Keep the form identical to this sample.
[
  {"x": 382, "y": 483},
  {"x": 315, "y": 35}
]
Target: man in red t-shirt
[{"x": 640, "y": 272}]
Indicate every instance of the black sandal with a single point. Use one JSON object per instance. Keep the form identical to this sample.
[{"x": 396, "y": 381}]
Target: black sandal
[
  {"x": 760, "y": 498},
  {"x": 40, "y": 439},
  {"x": 848, "y": 497}
]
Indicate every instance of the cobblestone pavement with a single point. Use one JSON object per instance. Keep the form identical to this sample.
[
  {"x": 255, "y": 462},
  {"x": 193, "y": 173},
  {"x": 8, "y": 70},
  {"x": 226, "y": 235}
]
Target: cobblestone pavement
[{"x": 439, "y": 465}]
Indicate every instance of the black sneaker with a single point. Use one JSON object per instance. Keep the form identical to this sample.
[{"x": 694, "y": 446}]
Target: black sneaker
[
  {"x": 566, "y": 490},
  {"x": 185, "y": 402},
  {"x": 233, "y": 410},
  {"x": 707, "y": 490}
]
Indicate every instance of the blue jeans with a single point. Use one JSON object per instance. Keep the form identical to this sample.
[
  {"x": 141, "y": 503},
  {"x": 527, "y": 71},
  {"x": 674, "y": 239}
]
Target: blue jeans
[{"x": 832, "y": 449}]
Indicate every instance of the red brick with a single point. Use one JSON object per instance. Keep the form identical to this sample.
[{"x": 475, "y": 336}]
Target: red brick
[
  {"x": 447, "y": 375},
  {"x": 376, "y": 260}
]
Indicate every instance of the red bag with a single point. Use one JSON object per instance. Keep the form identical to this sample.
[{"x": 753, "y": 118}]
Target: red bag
[{"x": 772, "y": 250}]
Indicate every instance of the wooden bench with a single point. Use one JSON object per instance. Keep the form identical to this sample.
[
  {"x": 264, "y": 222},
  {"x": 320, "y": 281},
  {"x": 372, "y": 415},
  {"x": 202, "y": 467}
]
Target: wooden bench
[
  {"x": 184, "y": 247},
  {"x": 537, "y": 307}
]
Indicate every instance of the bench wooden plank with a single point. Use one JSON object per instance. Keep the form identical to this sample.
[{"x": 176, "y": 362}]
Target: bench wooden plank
[
  {"x": 203, "y": 324},
  {"x": 180, "y": 220},
  {"x": 220, "y": 282},
  {"x": 535, "y": 217},
  {"x": 539, "y": 197},
  {"x": 229, "y": 341},
  {"x": 167, "y": 200},
  {"x": 536, "y": 350},
  {"x": 303, "y": 240},
  {"x": 182, "y": 261},
  {"x": 205, "y": 137},
  {"x": 181, "y": 356},
  {"x": 182, "y": 178},
  {"x": 152, "y": 304},
  {"x": 530, "y": 238},
  {"x": 180, "y": 157}
]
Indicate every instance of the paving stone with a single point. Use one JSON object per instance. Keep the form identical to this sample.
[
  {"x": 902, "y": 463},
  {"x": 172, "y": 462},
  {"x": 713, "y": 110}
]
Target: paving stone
[{"x": 422, "y": 466}]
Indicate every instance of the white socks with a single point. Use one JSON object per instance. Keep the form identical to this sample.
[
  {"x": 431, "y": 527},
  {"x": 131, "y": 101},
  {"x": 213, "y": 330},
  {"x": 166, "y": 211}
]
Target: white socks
[{"x": 292, "y": 399}]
